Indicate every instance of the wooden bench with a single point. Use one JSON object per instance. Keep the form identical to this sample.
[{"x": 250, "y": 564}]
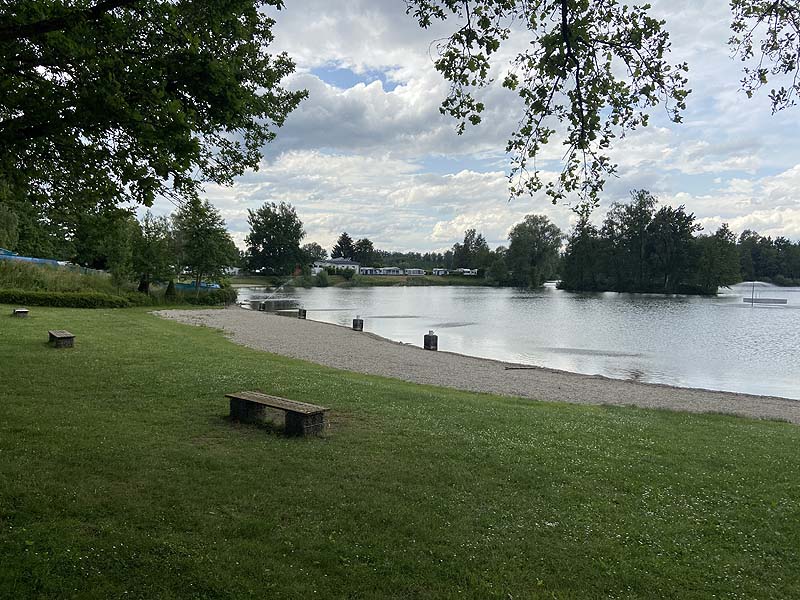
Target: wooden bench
[
  {"x": 61, "y": 339},
  {"x": 19, "y": 312},
  {"x": 301, "y": 418}
]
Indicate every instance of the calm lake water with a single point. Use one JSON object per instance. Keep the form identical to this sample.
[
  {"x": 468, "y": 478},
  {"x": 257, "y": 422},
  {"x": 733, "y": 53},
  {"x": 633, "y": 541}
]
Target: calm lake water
[{"x": 717, "y": 343}]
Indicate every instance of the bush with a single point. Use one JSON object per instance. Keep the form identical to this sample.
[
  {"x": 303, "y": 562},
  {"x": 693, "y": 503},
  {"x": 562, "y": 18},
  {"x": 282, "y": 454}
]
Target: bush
[
  {"x": 225, "y": 295},
  {"x": 348, "y": 274},
  {"x": 63, "y": 299},
  {"x": 322, "y": 279},
  {"x": 783, "y": 281},
  {"x": 140, "y": 299}
]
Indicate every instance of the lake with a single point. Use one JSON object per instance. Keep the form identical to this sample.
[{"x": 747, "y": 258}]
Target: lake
[{"x": 717, "y": 343}]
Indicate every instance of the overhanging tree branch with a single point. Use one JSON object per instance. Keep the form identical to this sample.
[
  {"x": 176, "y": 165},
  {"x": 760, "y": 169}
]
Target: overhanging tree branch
[{"x": 60, "y": 23}]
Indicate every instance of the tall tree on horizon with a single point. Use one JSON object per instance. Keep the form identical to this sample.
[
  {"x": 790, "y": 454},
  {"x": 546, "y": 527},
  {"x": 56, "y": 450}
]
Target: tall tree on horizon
[
  {"x": 274, "y": 239},
  {"x": 344, "y": 247},
  {"x": 533, "y": 251},
  {"x": 364, "y": 251}
]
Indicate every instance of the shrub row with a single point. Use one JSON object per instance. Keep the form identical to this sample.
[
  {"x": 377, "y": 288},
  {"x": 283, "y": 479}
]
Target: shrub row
[
  {"x": 63, "y": 299},
  {"x": 224, "y": 295}
]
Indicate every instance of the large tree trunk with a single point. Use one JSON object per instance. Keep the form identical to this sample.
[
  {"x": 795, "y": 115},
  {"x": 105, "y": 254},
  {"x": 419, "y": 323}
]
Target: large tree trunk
[{"x": 144, "y": 285}]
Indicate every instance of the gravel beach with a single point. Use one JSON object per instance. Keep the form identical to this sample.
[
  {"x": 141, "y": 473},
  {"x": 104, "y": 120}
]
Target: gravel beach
[{"x": 341, "y": 348}]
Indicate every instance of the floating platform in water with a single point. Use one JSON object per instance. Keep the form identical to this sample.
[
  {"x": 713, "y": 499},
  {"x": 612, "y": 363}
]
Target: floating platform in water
[
  {"x": 271, "y": 305},
  {"x": 765, "y": 300}
]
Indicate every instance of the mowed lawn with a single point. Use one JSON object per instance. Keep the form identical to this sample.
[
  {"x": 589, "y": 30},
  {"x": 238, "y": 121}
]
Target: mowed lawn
[{"x": 121, "y": 476}]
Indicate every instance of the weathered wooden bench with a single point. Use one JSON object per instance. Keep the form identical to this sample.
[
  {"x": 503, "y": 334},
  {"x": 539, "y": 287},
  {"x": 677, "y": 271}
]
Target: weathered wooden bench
[
  {"x": 19, "y": 312},
  {"x": 301, "y": 418},
  {"x": 61, "y": 338}
]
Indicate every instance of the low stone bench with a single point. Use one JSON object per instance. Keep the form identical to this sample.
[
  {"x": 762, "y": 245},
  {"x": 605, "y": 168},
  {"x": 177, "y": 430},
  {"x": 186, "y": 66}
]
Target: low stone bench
[
  {"x": 301, "y": 418},
  {"x": 61, "y": 338},
  {"x": 19, "y": 312}
]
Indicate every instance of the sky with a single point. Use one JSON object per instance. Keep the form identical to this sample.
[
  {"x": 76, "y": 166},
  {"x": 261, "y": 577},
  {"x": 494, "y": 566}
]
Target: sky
[{"x": 369, "y": 153}]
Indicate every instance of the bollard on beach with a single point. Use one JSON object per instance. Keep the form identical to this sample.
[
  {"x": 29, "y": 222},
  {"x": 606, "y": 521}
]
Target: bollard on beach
[
  {"x": 431, "y": 341},
  {"x": 301, "y": 313},
  {"x": 358, "y": 324}
]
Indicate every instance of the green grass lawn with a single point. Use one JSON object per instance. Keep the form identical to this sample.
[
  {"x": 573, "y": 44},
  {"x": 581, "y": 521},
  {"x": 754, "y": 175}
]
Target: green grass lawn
[{"x": 120, "y": 476}]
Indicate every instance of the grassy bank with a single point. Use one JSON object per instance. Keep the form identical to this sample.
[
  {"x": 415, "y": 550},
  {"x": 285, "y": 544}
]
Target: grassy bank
[
  {"x": 121, "y": 476},
  {"x": 27, "y": 284},
  {"x": 45, "y": 278}
]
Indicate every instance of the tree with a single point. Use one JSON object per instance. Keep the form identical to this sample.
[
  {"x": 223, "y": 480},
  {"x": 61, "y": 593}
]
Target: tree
[
  {"x": 204, "y": 246},
  {"x": 625, "y": 230},
  {"x": 670, "y": 236},
  {"x": 364, "y": 252},
  {"x": 582, "y": 258},
  {"x": 153, "y": 251},
  {"x": 473, "y": 253},
  {"x": 717, "y": 260},
  {"x": 344, "y": 247},
  {"x": 9, "y": 235},
  {"x": 773, "y": 26},
  {"x": 498, "y": 269},
  {"x": 98, "y": 234},
  {"x": 119, "y": 249},
  {"x": 533, "y": 251},
  {"x": 124, "y": 100},
  {"x": 314, "y": 252},
  {"x": 591, "y": 72},
  {"x": 274, "y": 239}
]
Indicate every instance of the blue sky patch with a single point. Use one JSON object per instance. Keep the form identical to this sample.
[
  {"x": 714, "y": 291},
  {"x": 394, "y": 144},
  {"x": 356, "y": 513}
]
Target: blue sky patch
[{"x": 343, "y": 78}]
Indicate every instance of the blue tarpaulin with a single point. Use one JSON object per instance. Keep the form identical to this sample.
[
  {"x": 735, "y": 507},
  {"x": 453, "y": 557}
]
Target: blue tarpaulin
[{"x": 8, "y": 255}]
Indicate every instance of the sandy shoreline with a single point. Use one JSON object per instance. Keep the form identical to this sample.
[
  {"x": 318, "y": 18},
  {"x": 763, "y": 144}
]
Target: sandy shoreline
[{"x": 341, "y": 348}]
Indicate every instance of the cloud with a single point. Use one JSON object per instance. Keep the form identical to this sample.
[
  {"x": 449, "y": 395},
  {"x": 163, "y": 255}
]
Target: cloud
[{"x": 381, "y": 161}]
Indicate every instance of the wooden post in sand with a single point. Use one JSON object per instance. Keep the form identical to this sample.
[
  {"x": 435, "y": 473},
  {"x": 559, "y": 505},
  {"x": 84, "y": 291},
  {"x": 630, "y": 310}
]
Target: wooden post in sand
[{"x": 431, "y": 341}]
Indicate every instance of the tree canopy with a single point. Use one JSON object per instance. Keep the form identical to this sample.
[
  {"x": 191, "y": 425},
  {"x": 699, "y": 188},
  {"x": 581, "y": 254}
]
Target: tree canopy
[
  {"x": 643, "y": 248},
  {"x": 153, "y": 256},
  {"x": 204, "y": 246},
  {"x": 591, "y": 72},
  {"x": 125, "y": 100},
  {"x": 532, "y": 255},
  {"x": 313, "y": 252},
  {"x": 344, "y": 247},
  {"x": 273, "y": 243}
]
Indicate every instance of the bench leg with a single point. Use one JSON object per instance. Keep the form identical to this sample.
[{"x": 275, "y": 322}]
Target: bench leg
[
  {"x": 248, "y": 412},
  {"x": 298, "y": 424}
]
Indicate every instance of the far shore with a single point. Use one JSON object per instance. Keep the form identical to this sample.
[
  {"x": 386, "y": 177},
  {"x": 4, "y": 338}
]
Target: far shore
[{"x": 342, "y": 348}]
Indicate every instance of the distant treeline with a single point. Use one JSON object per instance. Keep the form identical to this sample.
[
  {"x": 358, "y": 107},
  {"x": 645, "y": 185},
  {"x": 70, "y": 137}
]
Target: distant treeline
[
  {"x": 642, "y": 248},
  {"x": 474, "y": 253}
]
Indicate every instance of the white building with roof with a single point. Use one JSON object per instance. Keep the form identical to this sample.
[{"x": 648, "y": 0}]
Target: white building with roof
[{"x": 338, "y": 263}]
